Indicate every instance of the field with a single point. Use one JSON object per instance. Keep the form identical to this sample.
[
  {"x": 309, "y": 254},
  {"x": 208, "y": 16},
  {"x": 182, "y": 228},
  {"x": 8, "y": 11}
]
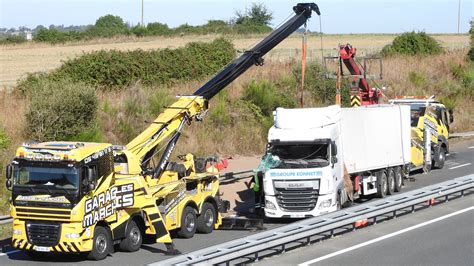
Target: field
[{"x": 17, "y": 60}]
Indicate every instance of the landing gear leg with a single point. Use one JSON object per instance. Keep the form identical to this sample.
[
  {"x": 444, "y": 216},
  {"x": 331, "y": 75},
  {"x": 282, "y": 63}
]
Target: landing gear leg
[{"x": 171, "y": 249}]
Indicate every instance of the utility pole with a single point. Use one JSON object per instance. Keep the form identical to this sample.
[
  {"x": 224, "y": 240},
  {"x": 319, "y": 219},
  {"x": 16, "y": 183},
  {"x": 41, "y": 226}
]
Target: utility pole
[
  {"x": 459, "y": 15},
  {"x": 143, "y": 25}
]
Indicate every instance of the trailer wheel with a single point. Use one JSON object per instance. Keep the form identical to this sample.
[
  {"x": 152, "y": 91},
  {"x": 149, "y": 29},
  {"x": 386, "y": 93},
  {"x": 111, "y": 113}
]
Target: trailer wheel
[
  {"x": 102, "y": 244},
  {"x": 390, "y": 182},
  {"x": 207, "y": 218},
  {"x": 381, "y": 183},
  {"x": 133, "y": 238},
  {"x": 398, "y": 179},
  {"x": 188, "y": 223},
  {"x": 440, "y": 158}
]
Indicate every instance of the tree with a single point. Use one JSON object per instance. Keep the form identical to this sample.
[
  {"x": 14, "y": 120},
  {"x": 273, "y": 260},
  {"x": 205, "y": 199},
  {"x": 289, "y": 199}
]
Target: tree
[
  {"x": 110, "y": 25},
  {"x": 257, "y": 14}
]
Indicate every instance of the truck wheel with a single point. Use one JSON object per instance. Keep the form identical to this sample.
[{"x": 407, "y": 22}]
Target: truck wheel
[
  {"x": 381, "y": 183},
  {"x": 440, "y": 158},
  {"x": 398, "y": 179},
  {"x": 390, "y": 182},
  {"x": 102, "y": 244},
  {"x": 188, "y": 223},
  {"x": 207, "y": 218},
  {"x": 133, "y": 238}
]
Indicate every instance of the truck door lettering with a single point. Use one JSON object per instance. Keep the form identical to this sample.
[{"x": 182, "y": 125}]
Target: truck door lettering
[{"x": 106, "y": 203}]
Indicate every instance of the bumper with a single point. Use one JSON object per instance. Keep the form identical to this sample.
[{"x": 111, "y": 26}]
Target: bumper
[
  {"x": 320, "y": 208},
  {"x": 77, "y": 244}
]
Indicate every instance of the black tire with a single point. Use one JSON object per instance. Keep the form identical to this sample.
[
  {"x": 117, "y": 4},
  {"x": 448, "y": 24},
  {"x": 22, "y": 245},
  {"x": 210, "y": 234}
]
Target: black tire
[
  {"x": 398, "y": 179},
  {"x": 207, "y": 219},
  {"x": 133, "y": 238},
  {"x": 102, "y": 244},
  {"x": 390, "y": 182},
  {"x": 440, "y": 158},
  {"x": 188, "y": 223},
  {"x": 381, "y": 183}
]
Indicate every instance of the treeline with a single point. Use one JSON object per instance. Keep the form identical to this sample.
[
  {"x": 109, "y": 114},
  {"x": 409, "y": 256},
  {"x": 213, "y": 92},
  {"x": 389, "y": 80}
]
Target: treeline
[{"x": 255, "y": 19}]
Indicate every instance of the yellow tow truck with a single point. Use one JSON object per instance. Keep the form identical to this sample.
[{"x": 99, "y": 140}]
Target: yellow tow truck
[
  {"x": 79, "y": 197},
  {"x": 430, "y": 121}
]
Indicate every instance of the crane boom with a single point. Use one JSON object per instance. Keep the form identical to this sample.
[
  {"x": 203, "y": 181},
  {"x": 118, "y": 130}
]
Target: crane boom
[
  {"x": 169, "y": 123},
  {"x": 367, "y": 95}
]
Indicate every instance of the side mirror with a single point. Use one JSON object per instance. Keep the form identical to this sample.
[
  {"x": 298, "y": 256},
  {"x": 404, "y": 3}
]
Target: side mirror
[
  {"x": 90, "y": 175},
  {"x": 333, "y": 149},
  {"x": 451, "y": 117},
  {"x": 8, "y": 184},
  {"x": 333, "y": 160},
  {"x": 9, "y": 171}
]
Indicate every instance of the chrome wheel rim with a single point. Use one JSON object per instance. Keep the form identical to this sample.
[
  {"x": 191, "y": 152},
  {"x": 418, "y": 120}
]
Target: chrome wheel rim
[{"x": 101, "y": 243}]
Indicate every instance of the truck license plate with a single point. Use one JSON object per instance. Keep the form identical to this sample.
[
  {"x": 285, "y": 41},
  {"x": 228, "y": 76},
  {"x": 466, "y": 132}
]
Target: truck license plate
[{"x": 42, "y": 249}]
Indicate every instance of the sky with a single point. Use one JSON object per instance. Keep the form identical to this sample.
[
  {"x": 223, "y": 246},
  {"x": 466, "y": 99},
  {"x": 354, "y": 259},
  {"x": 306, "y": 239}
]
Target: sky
[{"x": 338, "y": 16}]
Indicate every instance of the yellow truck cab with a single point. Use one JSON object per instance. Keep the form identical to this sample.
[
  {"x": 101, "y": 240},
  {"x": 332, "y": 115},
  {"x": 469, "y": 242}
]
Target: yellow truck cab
[
  {"x": 66, "y": 197},
  {"x": 428, "y": 113}
]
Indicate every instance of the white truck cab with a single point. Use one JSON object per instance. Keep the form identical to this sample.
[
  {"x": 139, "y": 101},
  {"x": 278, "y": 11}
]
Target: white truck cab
[{"x": 308, "y": 180}]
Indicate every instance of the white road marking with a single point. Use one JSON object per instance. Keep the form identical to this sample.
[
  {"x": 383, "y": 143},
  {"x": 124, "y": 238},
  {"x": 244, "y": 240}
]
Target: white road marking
[
  {"x": 9, "y": 252},
  {"x": 462, "y": 165},
  {"x": 472, "y": 147},
  {"x": 385, "y": 237}
]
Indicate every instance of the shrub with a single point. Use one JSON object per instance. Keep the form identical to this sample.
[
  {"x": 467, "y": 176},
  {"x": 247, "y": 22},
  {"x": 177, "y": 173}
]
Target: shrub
[
  {"x": 119, "y": 69},
  {"x": 60, "y": 110},
  {"x": 471, "y": 51},
  {"x": 417, "y": 79},
  {"x": 321, "y": 89},
  {"x": 13, "y": 40},
  {"x": 4, "y": 139},
  {"x": 157, "y": 28},
  {"x": 413, "y": 43},
  {"x": 267, "y": 97}
]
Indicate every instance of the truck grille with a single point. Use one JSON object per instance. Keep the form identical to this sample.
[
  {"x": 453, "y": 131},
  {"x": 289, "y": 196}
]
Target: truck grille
[
  {"x": 43, "y": 234},
  {"x": 296, "y": 200}
]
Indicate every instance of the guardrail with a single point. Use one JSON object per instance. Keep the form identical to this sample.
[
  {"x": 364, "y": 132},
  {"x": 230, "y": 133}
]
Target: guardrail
[
  {"x": 304, "y": 232},
  {"x": 5, "y": 219}
]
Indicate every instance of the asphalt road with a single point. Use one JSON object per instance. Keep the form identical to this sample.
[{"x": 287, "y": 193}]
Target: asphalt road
[
  {"x": 459, "y": 163},
  {"x": 439, "y": 235}
]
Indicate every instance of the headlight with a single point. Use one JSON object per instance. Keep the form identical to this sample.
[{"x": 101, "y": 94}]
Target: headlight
[
  {"x": 269, "y": 205},
  {"x": 72, "y": 235},
  {"x": 17, "y": 232},
  {"x": 325, "y": 204}
]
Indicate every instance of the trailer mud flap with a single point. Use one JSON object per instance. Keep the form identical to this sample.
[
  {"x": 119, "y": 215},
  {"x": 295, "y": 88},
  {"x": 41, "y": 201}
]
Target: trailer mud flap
[{"x": 241, "y": 223}]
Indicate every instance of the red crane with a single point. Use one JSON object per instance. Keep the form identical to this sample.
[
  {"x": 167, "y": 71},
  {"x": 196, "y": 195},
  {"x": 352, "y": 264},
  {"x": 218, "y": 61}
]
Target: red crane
[{"x": 361, "y": 93}]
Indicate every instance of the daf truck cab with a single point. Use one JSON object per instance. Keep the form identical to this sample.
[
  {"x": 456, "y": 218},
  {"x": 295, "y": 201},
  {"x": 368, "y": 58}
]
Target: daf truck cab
[{"x": 308, "y": 181}]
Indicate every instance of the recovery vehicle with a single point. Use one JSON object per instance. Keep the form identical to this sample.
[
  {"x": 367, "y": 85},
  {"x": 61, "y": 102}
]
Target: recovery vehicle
[
  {"x": 430, "y": 121},
  {"x": 78, "y": 197}
]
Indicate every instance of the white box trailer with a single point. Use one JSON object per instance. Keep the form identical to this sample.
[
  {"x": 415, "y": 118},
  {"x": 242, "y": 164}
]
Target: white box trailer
[{"x": 375, "y": 137}]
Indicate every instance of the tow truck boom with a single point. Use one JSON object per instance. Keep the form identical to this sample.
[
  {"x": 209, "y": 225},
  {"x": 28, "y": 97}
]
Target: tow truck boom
[{"x": 170, "y": 122}]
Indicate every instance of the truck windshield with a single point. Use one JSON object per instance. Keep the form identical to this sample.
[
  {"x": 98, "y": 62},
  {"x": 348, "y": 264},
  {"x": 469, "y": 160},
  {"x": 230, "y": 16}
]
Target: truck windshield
[
  {"x": 301, "y": 155},
  {"x": 52, "y": 177}
]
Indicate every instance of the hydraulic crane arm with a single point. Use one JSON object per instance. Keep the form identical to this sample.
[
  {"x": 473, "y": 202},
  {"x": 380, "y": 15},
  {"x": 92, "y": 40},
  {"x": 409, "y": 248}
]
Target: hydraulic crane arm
[
  {"x": 169, "y": 123},
  {"x": 368, "y": 96}
]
